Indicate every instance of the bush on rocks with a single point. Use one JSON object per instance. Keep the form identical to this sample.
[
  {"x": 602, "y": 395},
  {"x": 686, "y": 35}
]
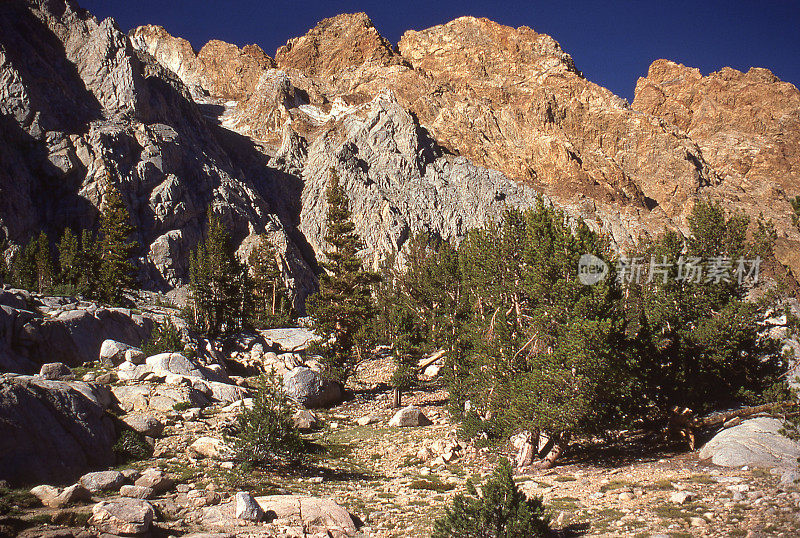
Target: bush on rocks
[
  {"x": 501, "y": 510},
  {"x": 165, "y": 339},
  {"x": 131, "y": 446},
  {"x": 265, "y": 433}
]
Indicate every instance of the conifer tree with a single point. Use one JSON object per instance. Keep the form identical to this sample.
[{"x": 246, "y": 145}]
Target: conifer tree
[
  {"x": 116, "y": 251},
  {"x": 344, "y": 306},
  {"x": 44, "y": 264},
  {"x": 89, "y": 265},
  {"x": 217, "y": 282},
  {"x": 69, "y": 259},
  {"x": 25, "y": 274},
  {"x": 701, "y": 341},
  {"x": 501, "y": 510},
  {"x": 270, "y": 306},
  {"x": 544, "y": 352},
  {"x": 422, "y": 307},
  {"x": 5, "y": 270},
  {"x": 399, "y": 326}
]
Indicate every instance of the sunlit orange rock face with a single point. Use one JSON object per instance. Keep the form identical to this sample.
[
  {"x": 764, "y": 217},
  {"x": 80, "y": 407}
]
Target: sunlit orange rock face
[
  {"x": 747, "y": 126},
  {"x": 511, "y": 99}
]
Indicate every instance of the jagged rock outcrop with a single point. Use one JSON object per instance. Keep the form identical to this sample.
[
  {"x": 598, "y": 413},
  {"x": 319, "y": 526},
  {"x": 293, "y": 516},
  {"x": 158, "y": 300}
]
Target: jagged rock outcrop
[
  {"x": 399, "y": 182},
  {"x": 335, "y": 45},
  {"x": 748, "y": 128},
  {"x": 221, "y": 69},
  {"x": 82, "y": 109},
  {"x": 51, "y": 432}
]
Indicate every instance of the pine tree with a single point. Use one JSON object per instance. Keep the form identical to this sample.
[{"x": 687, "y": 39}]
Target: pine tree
[
  {"x": 265, "y": 433},
  {"x": 44, "y": 264},
  {"x": 5, "y": 270},
  {"x": 502, "y": 510},
  {"x": 218, "y": 282},
  {"x": 24, "y": 270},
  {"x": 699, "y": 342},
  {"x": 271, "y": 307},
  {"x": 69, "y": 254},
  {"x": 344, "y": 306},
  {"x": 399, "y": 326},
  {"x": 116, "y": 251},
  {"x": 544, "y": 353},
  {"x": 88, "y": 264},
  {"x": 421, "y": 307}
]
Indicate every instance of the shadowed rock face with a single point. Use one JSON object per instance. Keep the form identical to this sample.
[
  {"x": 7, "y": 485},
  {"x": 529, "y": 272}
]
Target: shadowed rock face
[
  {"x": 136, "y": 126},
  {"x": 52, "y": 431},
  {"x": 438, "y": 134}
]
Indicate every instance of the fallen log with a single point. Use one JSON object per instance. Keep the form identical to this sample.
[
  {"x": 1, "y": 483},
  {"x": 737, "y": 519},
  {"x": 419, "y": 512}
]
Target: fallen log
[
  {"x": 424, "y": 363},
  {"x": 683, "y": 424}
]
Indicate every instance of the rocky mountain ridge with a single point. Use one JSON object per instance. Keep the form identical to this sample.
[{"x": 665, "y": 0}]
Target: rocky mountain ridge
[{"x": 436, "y": 134}]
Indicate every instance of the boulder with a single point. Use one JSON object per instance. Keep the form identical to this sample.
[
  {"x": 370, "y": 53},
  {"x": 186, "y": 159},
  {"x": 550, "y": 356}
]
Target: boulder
[
  {"x": 210, "y": 447},
  {"x": 755, "y": 442},
  {"x": 366, "y": 420},
  {"x": 123, "y": 516},
  {"x": 112, "y": 353},
  {"x": 310, "y": 389},
  {"x": 46, "y": 494},
  {"x": 52, "y": 431},
  {"x": 134, "y": 355},
  {"x": 289, "y": 340},
  {"x": 102, "y": 481},
  {"x": 144, "y": 424},
  {"x": 173, "y": 363},
  {"x": 89, "y": 329},
  {"x": 156, "y": 397},
  {"x": 680, "y": 497},
  {"x": 136, "y": 492},
  {"x": 225, "y": 392},
  {"x": 55, "y": 498},
  {"x": 311, "y": 515},
  {"x": 409, "y": 417},
  {"x": 156, "y": 480},
  {"x": 73, "y": 494},
  {"x": 247, "y": 508},
  {"x": 305, "y": 420},
  {"x": 314, "y": 513},
  {"x": 57, "y": 371}
]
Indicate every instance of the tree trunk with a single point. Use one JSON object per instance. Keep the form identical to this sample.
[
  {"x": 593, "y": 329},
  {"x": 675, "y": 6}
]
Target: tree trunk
[
  {"x": 397, "y": 396},
  {"x": 526, "y": 453},
  {"x": 274, "y": 294},
  {"x": 560, "y": 443}
]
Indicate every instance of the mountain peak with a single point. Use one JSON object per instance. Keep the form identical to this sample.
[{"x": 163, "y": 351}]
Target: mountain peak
[{"x": 336, "y": 44}]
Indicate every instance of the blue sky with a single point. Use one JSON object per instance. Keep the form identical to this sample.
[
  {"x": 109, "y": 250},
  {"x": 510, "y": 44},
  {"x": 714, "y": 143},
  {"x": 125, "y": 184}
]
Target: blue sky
[{"x": 613, "y": 43}]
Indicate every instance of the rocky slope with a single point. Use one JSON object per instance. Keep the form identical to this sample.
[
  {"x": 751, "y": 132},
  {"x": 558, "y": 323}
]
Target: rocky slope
[
  {"x": 381, "y": 476},
  {"x": 437, "y": 134}
]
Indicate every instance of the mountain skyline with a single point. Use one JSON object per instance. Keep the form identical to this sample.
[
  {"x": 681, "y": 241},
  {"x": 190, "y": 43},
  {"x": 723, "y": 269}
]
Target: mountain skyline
[{"x": 613, "y": 44}]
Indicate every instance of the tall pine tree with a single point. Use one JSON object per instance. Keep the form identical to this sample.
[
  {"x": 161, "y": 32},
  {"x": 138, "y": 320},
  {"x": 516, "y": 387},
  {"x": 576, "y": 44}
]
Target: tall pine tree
[
  {"x": 89, "y": 265},
  {"x": 344, "y": 306},
  {"x": 270, "y": 305},
  {"x": 44, "y": 264},
  {"x": 217, "y": 282},
  {"x": 116, "y": 251},
  {"x": 69, "y": 260},
  {"x": 23, "y": 267}
]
